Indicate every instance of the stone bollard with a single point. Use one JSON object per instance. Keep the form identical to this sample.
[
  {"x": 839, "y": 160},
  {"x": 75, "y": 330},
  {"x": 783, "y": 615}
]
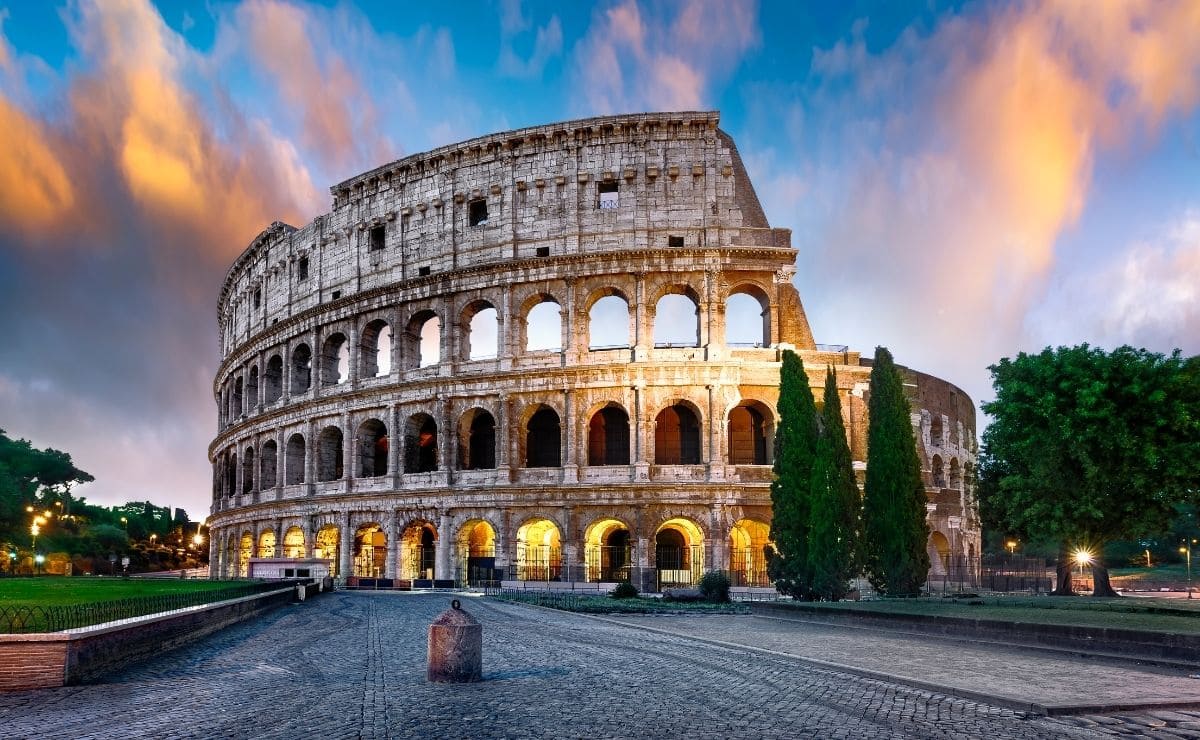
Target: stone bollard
[{"x": 455, "y": 647}]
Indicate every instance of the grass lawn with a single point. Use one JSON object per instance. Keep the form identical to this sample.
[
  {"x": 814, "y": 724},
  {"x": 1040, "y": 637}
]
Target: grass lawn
[
  {"x": 1173, "y": 575},
  {"x": 609, "y": 605},
  {"x": 1157, "y": 615},
  {"x": 60, "y": 590}
]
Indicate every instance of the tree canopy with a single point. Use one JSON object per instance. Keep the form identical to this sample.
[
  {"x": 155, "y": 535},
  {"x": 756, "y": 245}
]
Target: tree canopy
[
  {"x": 834, "y": 502},
  {"x": 795, "y": 447},
  {"x": 1087, "y": 446}
]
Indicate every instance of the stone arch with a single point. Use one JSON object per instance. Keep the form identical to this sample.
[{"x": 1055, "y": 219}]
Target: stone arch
[
  {"x": 423, "y": 340},
  {"x": 609, "y": 320},
  {"x": 937, "y": 472},
  {"x": 747, "y": 317},
  {"x": 935, "y": 429},
  {"x": 373, "y": 444},
  {"x": 955, "y": 474},
  {"x": 477, "y": 552},
  {"x": 266, "y": 543},
  {"x": 231, "y": 469},
  {"x": 539, "y": 550},
  {"x": 751, "y": 433},
  {"x": 252, "y": 388},
  {"x": 541, "y": 324},
  {"x": 420, "y": 444},
  {"x": 248, "y": 470},
  {"x": 748, "y": 539},
  {"x": 326, "y": 546},
  {"x": 477, "y": 440},
  {"x": 375, "y": 350},
  {"x": 418, "y": 550},
  {"x": 245, "y": 552},
  {"x": 370, "y": 551},
  {"x": 678, "y": 552},
  {"x": 330, "y": 454},
  {"x": 301, "y": 372},
  {"x": 293, "y": 542},
  {"x": 676, "y": 318},
  {"x": 268, "y": 466},
  {"x": 608, "y": 550},
  {"x": 543, "y": 438},
  {"x": 677, "y": 435},
  {"x": 236, "y": 409},
  {"x": 939, "y": 553},
  {"x": 273, "y": 379},
  {"x": 480, "y": 322},
  {"x": 335, "y": 359},
  {"x": 608, "y": 435},
  {"x": 293, "y": 463}
]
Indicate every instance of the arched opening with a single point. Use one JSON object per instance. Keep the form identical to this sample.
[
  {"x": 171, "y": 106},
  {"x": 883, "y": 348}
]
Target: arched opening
[
  {"x": 678, "y": 553},
  {"x": 477, "y": 440},
  {"x": 329, "y": 454},
  {"x": 608, "y": 323},
  {"x": 293, "y": 463},
  {"x": 677, "y": 320},
  {"x": 293, "y": 543},
  {"x": 373, "y": 448},
  {"x": 935, "y": 430},
  {"x": 252, "y": 388},
  {"x": 375, "y": 350},
  {"x": 539, "y": 551},
  {"x": 751, "y": 434},
  {"x": 231, "y": 474},
  {"x": 938, "y": 472},
  {"x": 608, "y": 552},
  {"x": 543, "y": 327},
  {"x": 325, "y": 547},
  {"x": 608, "y": 436},
  {"x": 370, "y": 551},
  {"x": 955, "y": 474},
  {"x": 477, "y": 553},
  {"x": 418, "y": 551},
  {"x": 747, "y": 555},
  {"x": 266, "y": 543},
  {"x": 420, "y": 444},
  {"x": 335, "y": 359},
  {"x": 747, "y": 318},
  {"x": 301, "y": 369},
  {"x": 423, "y": 340},
  {"x": 273, "y": 379},
  {"x": 677, "y": 436},
  {"x": 248, "y": 470},
  {"x": 269, "y": 465},
  {"x": 482, "y": 324},
  {"x": 543, "y": 440},
  {"x": 939, "y": 553},
  {"x": 235, "y": 402},
  {"x": 245, "y": 552}
]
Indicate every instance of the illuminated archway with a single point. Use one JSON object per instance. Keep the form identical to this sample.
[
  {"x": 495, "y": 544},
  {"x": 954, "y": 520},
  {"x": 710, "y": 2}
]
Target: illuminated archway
[
  {"x": 293, "y": 543},
  {"x": 678, "y": 552},
  {"x": 266, "y": 543},
  {"x": 245, "y": 552},
  {"x": 325, "y": 547},
  {"x": 370, "y": 551},
  {"x": 477, "y": 553},
  {"x": 418, "y": 551},
  {"x": 608, "y": 552},
  {"x": 539, "y": 551},
  {"x": 939, "y": 553},
  {"x": 747, "y": 558}
]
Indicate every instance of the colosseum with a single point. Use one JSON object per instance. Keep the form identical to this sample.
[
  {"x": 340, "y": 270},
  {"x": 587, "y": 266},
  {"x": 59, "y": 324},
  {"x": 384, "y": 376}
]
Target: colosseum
[{"x": 545, "y": 355}]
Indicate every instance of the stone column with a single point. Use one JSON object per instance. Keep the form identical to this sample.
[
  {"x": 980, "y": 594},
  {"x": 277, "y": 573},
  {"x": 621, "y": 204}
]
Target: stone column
[
  {"x": 395, "y": 442},
  {"x": 280, "y": 456},
  {"x": 391, "y": 568},
  {"x": 570, "y": 472},
  {"x": 642, "y": 338},
  {"x": 446, "y": 439},
  {"x": 349, "y": 452},
  {"x": 442, "y": 568},
  {"x": 641, "y": 459},
  {"x": 287, "y": 374},
  {"x": 397, "y": 343},
  {"x": 345, "y": 549},
  {"x": 310, "y": 458},
  {"x": 355, "y": 350},
  {"x": 314, "y": 369},
  {"x": 261, "y": 386}
]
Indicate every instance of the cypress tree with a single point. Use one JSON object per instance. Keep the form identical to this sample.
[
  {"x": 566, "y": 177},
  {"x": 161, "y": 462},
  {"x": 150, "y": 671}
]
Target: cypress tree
[
  {"x": 835, "y": 504},
  {"x": 895, "y": 532},
  {"x": 795, "y": 445}
]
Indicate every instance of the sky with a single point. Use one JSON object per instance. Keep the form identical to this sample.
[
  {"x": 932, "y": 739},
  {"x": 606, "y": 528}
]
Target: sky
[{"x": 963, "y": 181}]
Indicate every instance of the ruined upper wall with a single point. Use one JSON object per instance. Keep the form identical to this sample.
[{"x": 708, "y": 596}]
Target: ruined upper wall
[{"x": 679, "y": 184}]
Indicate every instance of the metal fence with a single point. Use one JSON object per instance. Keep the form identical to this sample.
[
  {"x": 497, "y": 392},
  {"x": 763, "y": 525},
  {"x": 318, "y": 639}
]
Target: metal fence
[
  {"x": 25, "y": 619},
  {"x": 996, "y": 573}
]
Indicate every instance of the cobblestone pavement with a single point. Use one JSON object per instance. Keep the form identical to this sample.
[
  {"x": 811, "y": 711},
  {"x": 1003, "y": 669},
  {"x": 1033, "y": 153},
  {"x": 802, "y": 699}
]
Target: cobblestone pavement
[{"x": 351, "y": 665}]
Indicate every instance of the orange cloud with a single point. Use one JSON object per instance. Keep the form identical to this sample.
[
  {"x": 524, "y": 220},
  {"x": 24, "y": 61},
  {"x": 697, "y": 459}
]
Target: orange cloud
[{"x": 37, "y": 190}]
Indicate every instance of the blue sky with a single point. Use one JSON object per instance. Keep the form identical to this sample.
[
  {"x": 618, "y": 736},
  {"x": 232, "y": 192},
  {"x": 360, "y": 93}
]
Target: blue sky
[{"x": 963, "y": 181}]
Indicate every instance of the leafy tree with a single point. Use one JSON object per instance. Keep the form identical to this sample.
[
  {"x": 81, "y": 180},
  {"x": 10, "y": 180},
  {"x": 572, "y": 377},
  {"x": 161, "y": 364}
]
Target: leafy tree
[
  {"x": 795, "y": 446},
  {"x": 835, "y": 504},
  {"x": 29, "y": 476},
  {"x": 895, "y": 532},
  {"x": 1086, "y": 447}
]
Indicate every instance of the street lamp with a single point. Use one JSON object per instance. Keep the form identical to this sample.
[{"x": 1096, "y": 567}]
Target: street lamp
[
  {"x": 1012, "y": 547},
  {"x": 1187, "y": 551},
  {"x": 1082, "y": 557},
  {"x": 39, "y": 559}
]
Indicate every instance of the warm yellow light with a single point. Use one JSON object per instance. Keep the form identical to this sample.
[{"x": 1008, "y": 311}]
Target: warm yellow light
[
  {"x": 34, "y": 530},
  {"x": 47, "y": 513},
  {"x": 29, "y": 509},
  {"x": 37, "y": 520},
  {"x": 1083, "y": 557},
  {"x": 1183, "y": 549},
  {"x": 197, "y": 538}
]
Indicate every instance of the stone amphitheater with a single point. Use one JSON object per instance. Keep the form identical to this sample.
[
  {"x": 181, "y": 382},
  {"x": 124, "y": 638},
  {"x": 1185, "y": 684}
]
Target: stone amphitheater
[{"x": 549, "y": 354}]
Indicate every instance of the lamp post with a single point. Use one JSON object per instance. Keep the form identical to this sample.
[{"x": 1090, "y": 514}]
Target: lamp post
[
  {"x": 1082, "y": 557},
  {"x": 1187, "y": 551}
]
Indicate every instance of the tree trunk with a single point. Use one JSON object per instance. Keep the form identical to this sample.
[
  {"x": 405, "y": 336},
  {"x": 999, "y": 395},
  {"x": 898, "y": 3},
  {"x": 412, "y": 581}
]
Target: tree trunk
[
  {"x": 1100, "y": 582},
  {"x": 1063, "y": 582}
]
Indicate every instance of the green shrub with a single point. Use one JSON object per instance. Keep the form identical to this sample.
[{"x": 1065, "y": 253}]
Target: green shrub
[
  {"x": 714, "y": 586},
  {"x": 625, "y": 590}
]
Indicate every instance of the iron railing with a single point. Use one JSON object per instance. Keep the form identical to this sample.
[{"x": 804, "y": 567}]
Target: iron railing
[{"x": 26, "y": 619}]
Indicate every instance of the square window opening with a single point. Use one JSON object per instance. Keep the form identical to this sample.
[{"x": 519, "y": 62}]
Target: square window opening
[
  {"x": 302, "y": 269},
  {"x": 422, "y": 271},
  {"x": 608, "y": 195},
  {"x": 376, "y": 237},
  {"x": 257, "y": 298},
  {"x": 477, "y": 214},
  {"x": 543, "y": 251},
  {"x": 674, "y": 241},
  {"x": 337, "y": 294}
]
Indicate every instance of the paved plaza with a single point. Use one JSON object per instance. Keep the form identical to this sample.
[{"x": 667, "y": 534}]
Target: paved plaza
[{"x": 352, "y": 665}]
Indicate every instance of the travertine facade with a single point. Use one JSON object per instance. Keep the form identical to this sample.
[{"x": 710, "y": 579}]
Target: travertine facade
[{"x": 388, "y": 397}]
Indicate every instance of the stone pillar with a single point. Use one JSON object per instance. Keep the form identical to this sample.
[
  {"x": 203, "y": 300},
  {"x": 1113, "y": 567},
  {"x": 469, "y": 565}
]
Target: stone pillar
[
  {"x": 314, "y": 369},
  {"x": 355, "y": 351},
  {"x": 395, "y": 442},
  {"x": 445, "y": 439},
  {"x": 642, "y": 336},
  {"x": 260, "y": 392},
  {"x": 280, "y": 456},
  {"x": 398, "y": 333},
  {"x": 391, "y": 567},
  {"x": 349, "y": 450},
  {"x": 310, "y": 458},
  {"x": 442, "y": 567},
  {"x": 345, "y": 549},
  {"x": 286, "y": 394},
  {"x": 570, "y": 472},
  {"x": 641, "y": 460}
]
